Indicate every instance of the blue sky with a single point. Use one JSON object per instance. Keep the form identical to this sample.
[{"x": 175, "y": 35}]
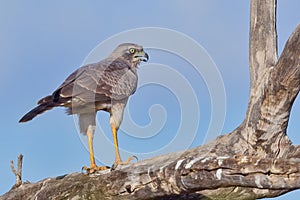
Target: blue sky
[{"x": 43, "y": 42}]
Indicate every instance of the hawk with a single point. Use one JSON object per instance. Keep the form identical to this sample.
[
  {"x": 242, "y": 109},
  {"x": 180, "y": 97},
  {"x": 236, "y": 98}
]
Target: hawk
[{"x": 105, "y": 85}]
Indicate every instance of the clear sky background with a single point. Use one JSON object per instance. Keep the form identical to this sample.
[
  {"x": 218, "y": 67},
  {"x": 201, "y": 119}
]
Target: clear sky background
[{"x": 41, "y": 43}]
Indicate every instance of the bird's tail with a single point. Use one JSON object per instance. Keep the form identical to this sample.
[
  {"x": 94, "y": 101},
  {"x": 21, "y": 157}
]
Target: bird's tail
[{"x": 42, "y": 107}]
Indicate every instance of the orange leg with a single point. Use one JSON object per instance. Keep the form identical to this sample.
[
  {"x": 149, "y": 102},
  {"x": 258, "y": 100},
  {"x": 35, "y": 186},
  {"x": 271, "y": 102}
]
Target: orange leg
[
  {"x": 118, "y": 160},
  {"x": 93, "y": 166}
]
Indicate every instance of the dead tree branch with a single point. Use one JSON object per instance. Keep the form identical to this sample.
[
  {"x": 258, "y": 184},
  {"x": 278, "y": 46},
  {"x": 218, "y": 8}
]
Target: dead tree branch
[
  {"x": 176, "y": 175},
  {"x": 18, "y": 172}
]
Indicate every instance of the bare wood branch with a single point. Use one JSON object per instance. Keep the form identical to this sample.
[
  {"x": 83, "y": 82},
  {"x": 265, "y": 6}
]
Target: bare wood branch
[
  {"x": 18, "y": 172},
  {"x": 271, "y": 99},
  {"x": 263, "y": 38},
  {"x": 162, "y": 176},
  {"x": 269, "y": 108},
  {"x": 288, "y": 66}
]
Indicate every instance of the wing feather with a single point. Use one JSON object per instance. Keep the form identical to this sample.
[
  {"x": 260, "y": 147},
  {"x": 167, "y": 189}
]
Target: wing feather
[{"x": 99, "y": 82}]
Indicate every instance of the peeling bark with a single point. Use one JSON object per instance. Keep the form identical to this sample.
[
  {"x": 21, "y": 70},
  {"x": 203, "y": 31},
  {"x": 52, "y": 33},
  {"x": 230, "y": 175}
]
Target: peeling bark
[{"x": 256, "y": 160}]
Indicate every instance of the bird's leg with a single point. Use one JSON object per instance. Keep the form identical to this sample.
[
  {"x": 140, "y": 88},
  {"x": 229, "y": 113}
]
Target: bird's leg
[
  {"x": 116, "y": 145},
  {"x": 118, "y": 160},
  {"x": 116, "y": 117},
  {"x": 93, "y": 166},
  {"x": 90, "y": 135}
]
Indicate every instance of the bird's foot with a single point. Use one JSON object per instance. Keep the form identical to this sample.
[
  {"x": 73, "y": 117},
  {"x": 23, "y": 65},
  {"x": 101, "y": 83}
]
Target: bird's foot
[
  {"x": 120, "y": 162},
  {"x": 94, "y": 168}
]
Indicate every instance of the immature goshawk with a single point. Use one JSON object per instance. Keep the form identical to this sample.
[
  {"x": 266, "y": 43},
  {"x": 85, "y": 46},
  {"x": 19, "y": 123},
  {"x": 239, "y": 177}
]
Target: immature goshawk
[{"x": 105, "y": 85}]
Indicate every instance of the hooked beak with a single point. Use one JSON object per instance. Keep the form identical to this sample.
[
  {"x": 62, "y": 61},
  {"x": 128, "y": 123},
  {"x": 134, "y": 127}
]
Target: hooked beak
[{"x": 142, "y": 56}]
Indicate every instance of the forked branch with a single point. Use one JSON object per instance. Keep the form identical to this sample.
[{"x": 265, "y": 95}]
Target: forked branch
[{"x": 18, "y": 172}]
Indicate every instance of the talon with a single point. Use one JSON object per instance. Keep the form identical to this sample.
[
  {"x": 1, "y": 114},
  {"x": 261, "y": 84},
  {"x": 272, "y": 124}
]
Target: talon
[
  {"x": 133, "y": 157},
  {"x": 119, "y": 162},
  {"x": 84, "y": 168}
]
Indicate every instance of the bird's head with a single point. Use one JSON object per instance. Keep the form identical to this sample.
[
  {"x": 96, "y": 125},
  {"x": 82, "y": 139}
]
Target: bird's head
[{"x": 132, "y": 53}]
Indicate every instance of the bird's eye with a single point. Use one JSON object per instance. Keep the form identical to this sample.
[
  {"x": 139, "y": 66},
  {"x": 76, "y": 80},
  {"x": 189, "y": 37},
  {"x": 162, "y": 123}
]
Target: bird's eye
[{"x": 132, "y": 50}]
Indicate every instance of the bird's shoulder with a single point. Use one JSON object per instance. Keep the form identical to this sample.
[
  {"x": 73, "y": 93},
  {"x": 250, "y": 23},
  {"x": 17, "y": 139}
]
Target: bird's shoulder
[
  {"x": 102, "y": 78},
  {"x": 100, "y": 69}
]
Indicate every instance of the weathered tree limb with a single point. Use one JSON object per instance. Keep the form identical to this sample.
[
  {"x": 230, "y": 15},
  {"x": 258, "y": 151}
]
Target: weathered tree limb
[
  {"x": 256, "y": 160},
  {"x": 262, "y": 58},
  {"x": 270, "y": 105},
  {"x": 177, "y": 175},
  {"x": 262, "y": 39},
  {"x": 18, "y": 172}
]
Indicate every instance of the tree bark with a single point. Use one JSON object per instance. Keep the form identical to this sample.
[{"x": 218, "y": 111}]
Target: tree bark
[{"x": 256, "y": 160}]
